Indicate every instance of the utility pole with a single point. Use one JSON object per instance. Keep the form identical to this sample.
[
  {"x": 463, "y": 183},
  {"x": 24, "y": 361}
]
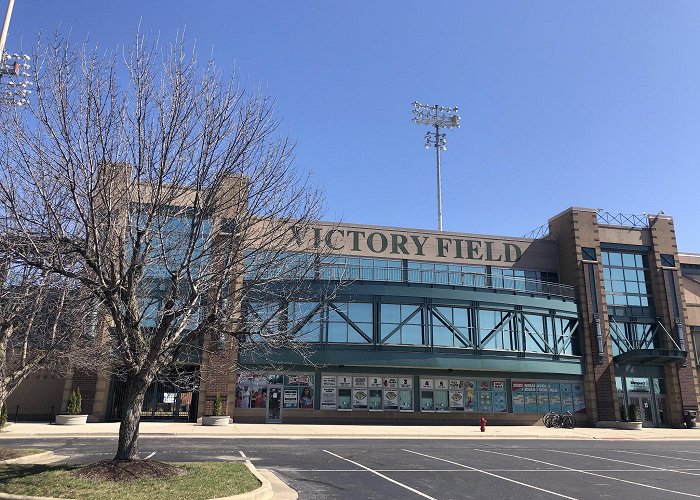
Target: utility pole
[
  {"x": 15, "y": 91},
  {"x": 438, "y": 117}
]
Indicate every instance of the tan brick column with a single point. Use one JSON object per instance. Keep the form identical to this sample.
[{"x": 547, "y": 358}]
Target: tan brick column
[
  {"x": 681, "y": 381},
  {"x": 574, "y": 229}
]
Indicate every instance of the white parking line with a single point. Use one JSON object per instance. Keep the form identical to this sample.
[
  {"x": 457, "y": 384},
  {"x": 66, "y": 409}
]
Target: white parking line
[
  {"x": 590, "y": 473},
  {"x": 491, "y": 474},
  {"x": 657, "y": 456},
  {"x": 292, "y": 469},
  {"x": 382, "y": 476},
  {"x": 625, "y": 462},
  {"x": 149, "y": 456}
]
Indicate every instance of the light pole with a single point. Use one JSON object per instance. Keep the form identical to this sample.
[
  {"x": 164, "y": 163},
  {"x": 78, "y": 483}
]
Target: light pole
[
  {"x": 438, "y": 117},
  {"x": 13, "y": 65}
]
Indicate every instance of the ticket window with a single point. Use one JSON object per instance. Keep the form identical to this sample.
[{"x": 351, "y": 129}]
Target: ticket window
[
  {"x": 375, "y": 399},
  {"x": 427, "y": 401},
  {"x": 406, "y": 400},
  {"x": 344, "y": 399}
]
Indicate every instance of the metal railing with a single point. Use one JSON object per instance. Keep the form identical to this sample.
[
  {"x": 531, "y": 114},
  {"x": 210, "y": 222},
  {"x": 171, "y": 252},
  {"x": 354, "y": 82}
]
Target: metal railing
[
  {"x": 446, "y": 277},
  {"x": 538, "y": 232},
  {"x": 619, "y": 219}
]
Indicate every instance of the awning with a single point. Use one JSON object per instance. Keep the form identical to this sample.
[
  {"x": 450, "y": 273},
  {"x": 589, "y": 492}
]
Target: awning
[{"x": 651, "y": 356}]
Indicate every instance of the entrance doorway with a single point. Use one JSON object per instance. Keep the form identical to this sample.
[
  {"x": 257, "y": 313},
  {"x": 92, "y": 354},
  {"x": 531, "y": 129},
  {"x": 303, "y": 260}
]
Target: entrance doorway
[
  {"x": 646, "y": 410},
  {"x": 273, "y": 413}
]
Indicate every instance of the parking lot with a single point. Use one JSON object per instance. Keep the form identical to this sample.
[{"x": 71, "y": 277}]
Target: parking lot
[{"x": 435, "y": 468}]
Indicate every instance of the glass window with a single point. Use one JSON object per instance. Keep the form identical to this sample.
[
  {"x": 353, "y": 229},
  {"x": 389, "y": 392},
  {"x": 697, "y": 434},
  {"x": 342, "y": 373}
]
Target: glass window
[
  {"x": 344, "y": 399},
  {"x": 426, "y": 401},
  {"x": 375, "y": 399},
  {"x": 406, "y": 400},
  {"x": 441, "y": 401},
  {"x": 626, "y": 279},
  {"x": 401, "y": 324}
]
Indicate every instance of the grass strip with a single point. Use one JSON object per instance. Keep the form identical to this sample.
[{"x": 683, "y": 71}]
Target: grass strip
[{"x": 203, "y": 480}]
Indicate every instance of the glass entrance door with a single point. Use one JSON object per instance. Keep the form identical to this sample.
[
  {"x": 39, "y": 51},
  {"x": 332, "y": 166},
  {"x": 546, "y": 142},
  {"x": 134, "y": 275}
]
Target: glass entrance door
[
  {"x": 274, "y": 404},
  {"x": 646, "y": 410}
]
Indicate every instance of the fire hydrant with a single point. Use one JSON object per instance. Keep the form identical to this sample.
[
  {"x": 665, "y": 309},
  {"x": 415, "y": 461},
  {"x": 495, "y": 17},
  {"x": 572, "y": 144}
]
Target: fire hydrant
[{"x": 483, "y": 424}]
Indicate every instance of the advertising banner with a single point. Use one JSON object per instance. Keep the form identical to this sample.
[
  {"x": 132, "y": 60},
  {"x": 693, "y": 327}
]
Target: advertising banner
[
  {"x": 499, "y": 401},
  {"x": 484, "y": 385},
  {"x": 302, "y": 379},
  {"x": 359, "y": 382},
  {"x": 391, "y": 399},
  {"x": 498, "y": 385},
  {"x": 531, "y": 403},
  {"x": 290, "y": 398},
  {"x": 359, "y": 398},
  {"x": 328, "y": 395},
  {"x": 391, "y": 382},
  {"x": 543, "y": 402},
  {"x": 457, "y": 400},
  {"x": 456, "y": 385},
  {"x": 328, "y": 381}
]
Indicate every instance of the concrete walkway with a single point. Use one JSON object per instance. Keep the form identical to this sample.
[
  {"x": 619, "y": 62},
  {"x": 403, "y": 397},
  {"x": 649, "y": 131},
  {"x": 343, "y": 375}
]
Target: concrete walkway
[{"x": 300, "y": 431}]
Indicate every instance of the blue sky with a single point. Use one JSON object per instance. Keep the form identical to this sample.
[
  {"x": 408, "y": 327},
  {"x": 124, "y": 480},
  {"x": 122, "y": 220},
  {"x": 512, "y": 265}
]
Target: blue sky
[{"x": 579, "y": 103}]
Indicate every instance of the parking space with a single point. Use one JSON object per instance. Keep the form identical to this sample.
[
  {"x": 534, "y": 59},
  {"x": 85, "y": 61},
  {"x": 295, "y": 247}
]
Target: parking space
[
  {"x": 438, "y": 469},
  {"x": 471, "y": 470}
]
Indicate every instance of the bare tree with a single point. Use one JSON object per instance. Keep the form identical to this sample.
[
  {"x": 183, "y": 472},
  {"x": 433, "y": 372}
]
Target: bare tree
[
  {"x": 44, "y": 325},
  {"x": 163, "y": 188}
]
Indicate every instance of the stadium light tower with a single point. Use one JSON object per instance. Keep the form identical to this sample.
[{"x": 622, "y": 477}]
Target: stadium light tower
[
  {"x": 15, "y": 91},
  {"x": 439, "y": 117}
]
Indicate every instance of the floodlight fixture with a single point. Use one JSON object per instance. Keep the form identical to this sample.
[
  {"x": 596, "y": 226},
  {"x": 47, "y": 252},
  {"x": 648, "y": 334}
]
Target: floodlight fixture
[{"x": 438, "y": 117}]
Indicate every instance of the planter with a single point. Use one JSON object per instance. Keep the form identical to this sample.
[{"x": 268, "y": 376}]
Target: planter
[
  {"x": 71, "y": 419},
  {"x": 630, "y": 426},
  {"x": 216, "y": 420}
]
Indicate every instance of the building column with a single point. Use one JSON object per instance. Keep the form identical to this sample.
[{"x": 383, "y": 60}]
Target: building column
[
  {"x": 576, "y": 229},
  {"x": 664, "y": 268}
]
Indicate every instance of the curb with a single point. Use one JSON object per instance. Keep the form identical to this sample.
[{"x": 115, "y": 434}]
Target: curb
[
  {"x": 270, "y": 487},
  {"x": 27, "y": 459}
]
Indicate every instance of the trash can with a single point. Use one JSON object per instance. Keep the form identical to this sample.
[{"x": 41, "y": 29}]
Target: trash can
[{"x": 690, "y": 418}]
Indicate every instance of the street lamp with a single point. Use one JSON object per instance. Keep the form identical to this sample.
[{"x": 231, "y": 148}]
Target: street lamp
[
  {"x": 439, "y": 117},
  {"x": 15, "y": 91}
]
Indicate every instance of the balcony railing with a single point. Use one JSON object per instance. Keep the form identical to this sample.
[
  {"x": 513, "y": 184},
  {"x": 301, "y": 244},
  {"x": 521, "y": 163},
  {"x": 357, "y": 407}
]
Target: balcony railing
[{"x": 445, "y": 277}]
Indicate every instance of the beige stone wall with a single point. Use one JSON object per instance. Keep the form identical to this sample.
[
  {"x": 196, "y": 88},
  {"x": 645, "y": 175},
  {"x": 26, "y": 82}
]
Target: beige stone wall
[
  {"x": 434, "y": 246},
  {"x": 36, "y": 395}
]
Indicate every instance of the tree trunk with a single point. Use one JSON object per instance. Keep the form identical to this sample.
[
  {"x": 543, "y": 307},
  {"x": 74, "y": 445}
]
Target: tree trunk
[{"x": 128, "y": 448}]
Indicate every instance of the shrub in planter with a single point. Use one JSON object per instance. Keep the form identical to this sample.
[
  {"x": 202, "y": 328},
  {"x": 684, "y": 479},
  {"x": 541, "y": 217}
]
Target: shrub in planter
[
  {"x": 633, "y": 412},
  {"x": 623, "y": 413},
  {"x": 218, "y": 418},
  {"x": 218, "y": 406},
  {"x": 74, "y": 408},
  {"x": 75, "y": 403}
]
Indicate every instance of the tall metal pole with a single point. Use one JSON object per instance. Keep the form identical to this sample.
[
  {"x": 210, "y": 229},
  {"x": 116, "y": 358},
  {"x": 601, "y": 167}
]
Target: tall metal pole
[
  {"x": 439, "y": 179},
  {"x": 6, "y": 27},
  {"x": 439, "y": 117}
]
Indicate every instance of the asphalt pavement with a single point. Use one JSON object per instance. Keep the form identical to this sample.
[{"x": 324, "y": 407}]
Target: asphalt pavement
[{"x": 432, "y": 468}]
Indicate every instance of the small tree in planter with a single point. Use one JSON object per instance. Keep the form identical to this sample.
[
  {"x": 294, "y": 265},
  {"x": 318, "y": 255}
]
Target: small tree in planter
[
  {"x": 623, "y": 413},
  {"x": 634, "y": 413},
  {"x": 218, "y": 418},
  {"x": 218, "y": 406},
  {"x": 74, "y": 408},
  {"x": 631, "y": 416}
]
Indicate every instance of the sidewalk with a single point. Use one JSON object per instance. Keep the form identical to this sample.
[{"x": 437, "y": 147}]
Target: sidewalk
[{"x": 301, "y": 431}]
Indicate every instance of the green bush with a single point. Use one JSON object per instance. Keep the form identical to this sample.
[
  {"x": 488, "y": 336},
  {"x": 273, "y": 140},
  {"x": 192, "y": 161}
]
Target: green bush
[
  {"x": 623, "y": 412},
  {"x": 3, "y": 415},
  {"x": 75, "y": 403},
  {"x": 633, "y": 412},
  {"x": 218, "y": 406}
]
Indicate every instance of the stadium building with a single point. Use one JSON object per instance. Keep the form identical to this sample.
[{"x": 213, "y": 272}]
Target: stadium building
[{"x": 595, "y": 311}]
